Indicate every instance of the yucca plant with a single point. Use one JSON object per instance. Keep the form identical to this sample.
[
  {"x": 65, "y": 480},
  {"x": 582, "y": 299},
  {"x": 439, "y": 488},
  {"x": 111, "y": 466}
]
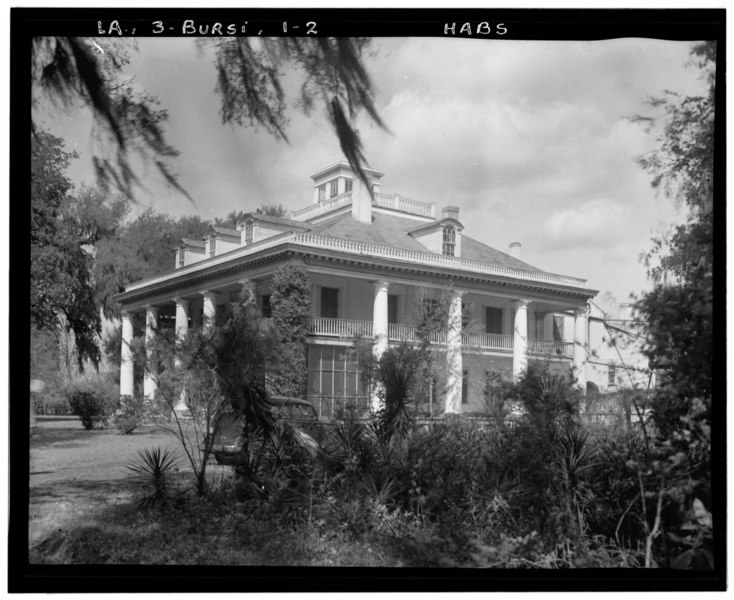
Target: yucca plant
[{"x": 154, "y": 466}]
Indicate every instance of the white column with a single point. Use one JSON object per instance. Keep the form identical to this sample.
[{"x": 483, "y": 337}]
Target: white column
[
  {"x": 210, "y": 309},
  {"x": 453, "y": 355},
  {"x": 182, "y": 328},
  {"x": 182, "y": 320},
  {"x": 151, "y": 371},
  {"x": 579, "y": 348},
  {"x": 127, "y": 381},
  {"x": 520, "y": 339},
  {"x": 379, "y": 332}
]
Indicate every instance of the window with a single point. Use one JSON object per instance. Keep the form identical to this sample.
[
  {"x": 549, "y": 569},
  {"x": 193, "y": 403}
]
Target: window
[
  {"x": 181, "y": 256},
  {"x": 249, "y": 227},
  {"x": 330, "y": 303},
  {"x": 465, "y": 387},
  {"x": 611, "y": 376},
  {"x": 493, "y": 319},
  {"x": 449, "y": 240},
  {"x": 348, "y": 187},
  {"x": 392, "y": 308},
  {"x": 322, "y": 192},
  {"x": 267, "y": 309},
  {"x": 333, "y": 188},
  {"x": 335, "y": 381},
  {"x": 212, "y": 246},
  {"x": 557, "y": 329}
]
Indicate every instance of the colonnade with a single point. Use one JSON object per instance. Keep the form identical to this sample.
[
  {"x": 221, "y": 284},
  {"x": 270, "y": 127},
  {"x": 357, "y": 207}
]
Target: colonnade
[{"x": 380, "y": 327}]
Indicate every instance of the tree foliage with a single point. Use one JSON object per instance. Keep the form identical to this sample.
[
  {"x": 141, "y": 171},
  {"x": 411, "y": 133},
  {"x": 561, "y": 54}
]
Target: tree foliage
[
  {"x": 679, "y": 315},
  {"x": 129, "y": 123},
  {"x": 291, "y": 312},
  {"x": 140, "y": 248},
  {"x": 62, "y": 292}
]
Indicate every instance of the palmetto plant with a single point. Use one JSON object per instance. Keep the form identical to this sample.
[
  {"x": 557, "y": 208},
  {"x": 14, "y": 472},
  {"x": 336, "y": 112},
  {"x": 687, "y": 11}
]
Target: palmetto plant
[{"x": 154, "y": 466}]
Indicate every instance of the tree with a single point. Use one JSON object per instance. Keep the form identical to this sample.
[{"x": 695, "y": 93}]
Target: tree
[
  {"x": 62, "y": 292},
  {"x": 141, "y": 248},
  {"x": 129, "y": 123},
  {"x": 678, "y": 317},
  {"x": 291, "y": 312}
]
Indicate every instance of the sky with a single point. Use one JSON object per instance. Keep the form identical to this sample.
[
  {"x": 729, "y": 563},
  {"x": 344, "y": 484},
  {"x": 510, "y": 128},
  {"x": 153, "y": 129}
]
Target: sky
[{"x": 530, "y": 139}]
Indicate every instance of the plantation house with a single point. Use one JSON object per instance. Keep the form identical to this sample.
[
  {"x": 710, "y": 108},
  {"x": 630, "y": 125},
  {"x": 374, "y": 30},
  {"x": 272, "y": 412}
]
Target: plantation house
[{"x": 378, "y": 264}]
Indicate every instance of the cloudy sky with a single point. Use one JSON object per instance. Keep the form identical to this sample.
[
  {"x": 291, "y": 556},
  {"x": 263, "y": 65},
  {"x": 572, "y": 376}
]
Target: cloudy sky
[{"x": 529, "y": 138}]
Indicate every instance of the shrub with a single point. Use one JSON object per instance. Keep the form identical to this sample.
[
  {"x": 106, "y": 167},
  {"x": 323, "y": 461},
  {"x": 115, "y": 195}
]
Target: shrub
[
  {"x": 129, "y": 416},
  {"x": 154, "y": 467},
  {"x": 93, "y": 400}
]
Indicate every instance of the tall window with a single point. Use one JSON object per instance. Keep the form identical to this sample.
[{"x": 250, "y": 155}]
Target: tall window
[
  {"x": 322, "y": 192},
  {"x": 392, "y": 308},
  {"x": 449, "y": 240},
  {"x": 465, "y": 387},
  {"x": 493, "y": 319},
  {"x": 557, "y": 329},
  {"x": 330, "y": 302},
  {"x": 348, "y": 187},
  {"x": 266, "y": 308},
  {"x": 181, "y": 256},
  {"x": 333, "y": 188},
  {"x": 249, "y": 227},
  {"x": 212, "y": 246}
]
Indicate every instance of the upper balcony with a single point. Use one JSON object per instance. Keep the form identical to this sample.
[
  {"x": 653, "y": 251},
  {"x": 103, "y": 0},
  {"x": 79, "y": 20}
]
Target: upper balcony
[{"x": 470, "y": 340}]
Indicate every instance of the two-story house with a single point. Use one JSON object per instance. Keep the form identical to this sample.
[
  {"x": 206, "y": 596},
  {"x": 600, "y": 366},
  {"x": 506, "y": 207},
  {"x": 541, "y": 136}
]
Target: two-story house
[{"x": 376, "y": 262}]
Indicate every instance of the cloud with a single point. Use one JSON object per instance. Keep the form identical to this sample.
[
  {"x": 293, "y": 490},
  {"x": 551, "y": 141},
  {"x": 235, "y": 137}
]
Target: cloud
[{"x": 596, "y": 223}]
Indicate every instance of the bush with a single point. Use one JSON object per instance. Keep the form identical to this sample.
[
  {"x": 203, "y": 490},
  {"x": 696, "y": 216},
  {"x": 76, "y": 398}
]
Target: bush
[
  {"x": 93, "y": 400},
  {"x": 129, "y": 416}
]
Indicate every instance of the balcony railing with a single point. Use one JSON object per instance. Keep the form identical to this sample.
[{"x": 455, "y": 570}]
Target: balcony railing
[
  {"x": 398, "y": 332},
  {"x": 323, "y": 207},
  {"x": 548, "y": 348},
  {"x": 340, "y": 327},
  {"x": 397, "y": 202},
  {"x": 486, "y": 341}
]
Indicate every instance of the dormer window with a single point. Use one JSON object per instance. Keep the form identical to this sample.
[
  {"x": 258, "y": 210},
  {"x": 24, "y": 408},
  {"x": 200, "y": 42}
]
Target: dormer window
[
  {"x": 322, "y": 192},
  {"x": 333, "y": 188},
  {"x": 212, "y": 246},
  {"x": 248, "y": 233},
  {"x": 449, "y": 240},
  {"x": 348, "y": 187},
  {"x": 181, "y": 256}
]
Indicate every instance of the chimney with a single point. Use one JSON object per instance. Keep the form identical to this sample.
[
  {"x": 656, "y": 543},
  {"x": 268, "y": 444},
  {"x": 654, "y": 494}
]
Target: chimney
[
  {"x": 361, "y": 201},
  {"x": 515, "y": 249},
  {"x": 450, "y": 212}
]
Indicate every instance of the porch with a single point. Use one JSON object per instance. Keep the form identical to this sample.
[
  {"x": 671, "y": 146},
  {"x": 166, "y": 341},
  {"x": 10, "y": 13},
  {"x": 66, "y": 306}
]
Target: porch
[{"x": 470, "y": 340}]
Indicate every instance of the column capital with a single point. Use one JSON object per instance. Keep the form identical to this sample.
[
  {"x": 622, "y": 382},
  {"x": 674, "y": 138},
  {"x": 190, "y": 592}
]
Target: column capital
[
  {"x": 208, "y": 294},
  {"x": 457, "y": 293},
  {"x": 521, "y": 303},
  {"x": 581, "y": 311},
  {"x": 181, "y": 301},
  {"x": 149, "y": 308},
  {"x": 381, "y": 284}
]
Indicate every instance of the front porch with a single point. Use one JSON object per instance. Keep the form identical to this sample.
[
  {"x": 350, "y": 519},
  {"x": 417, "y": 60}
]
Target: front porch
[{"x": 470, "y": 340}]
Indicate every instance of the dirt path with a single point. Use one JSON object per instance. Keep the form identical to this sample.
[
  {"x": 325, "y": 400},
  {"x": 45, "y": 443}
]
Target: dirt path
[{"x": 74, "y": 472}]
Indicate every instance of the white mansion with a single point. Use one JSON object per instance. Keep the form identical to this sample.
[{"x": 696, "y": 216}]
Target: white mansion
[{"x": 374, "y": 262}]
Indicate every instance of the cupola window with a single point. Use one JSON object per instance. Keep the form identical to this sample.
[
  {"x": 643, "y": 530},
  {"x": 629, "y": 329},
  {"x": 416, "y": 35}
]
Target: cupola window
[{"x": 248, "y": 233}]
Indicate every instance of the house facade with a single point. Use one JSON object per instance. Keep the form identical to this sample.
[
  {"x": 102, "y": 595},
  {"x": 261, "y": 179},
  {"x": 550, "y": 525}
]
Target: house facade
[{"x": 378, "y": 263}]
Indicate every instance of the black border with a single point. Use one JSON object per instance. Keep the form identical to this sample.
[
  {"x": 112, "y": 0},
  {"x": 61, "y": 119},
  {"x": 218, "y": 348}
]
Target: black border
[{"x": 521, "y": 24}]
